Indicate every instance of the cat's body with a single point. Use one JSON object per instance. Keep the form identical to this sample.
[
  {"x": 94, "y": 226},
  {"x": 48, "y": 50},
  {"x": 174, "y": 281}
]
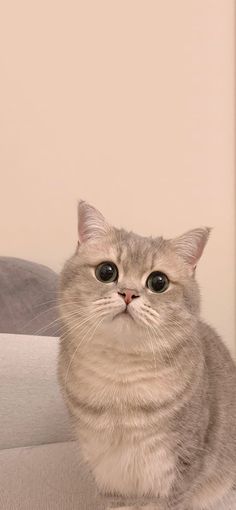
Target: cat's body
[{"x": 152, "y": 395}]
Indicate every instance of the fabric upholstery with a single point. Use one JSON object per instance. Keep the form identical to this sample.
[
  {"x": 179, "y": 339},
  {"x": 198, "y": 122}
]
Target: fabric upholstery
[
  {"x": 31, "y": 406},
  {"x": 28, "y": 293},
  {"x": 47, "y": 477}
]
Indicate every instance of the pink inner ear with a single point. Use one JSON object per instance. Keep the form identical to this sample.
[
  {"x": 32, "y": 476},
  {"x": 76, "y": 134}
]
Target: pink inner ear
[
  {"x": 194, "y": 257},
  {"x": 81, "y": 232},
  {"x": 199, "y": 249}
]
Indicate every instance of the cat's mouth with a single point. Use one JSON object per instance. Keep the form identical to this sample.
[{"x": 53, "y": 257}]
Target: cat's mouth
[{"x": 125, "y": 314}]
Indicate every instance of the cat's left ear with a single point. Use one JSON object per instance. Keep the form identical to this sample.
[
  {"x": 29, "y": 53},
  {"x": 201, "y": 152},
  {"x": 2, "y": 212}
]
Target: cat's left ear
[
  {"x": 191, "y": 245},
  {"x": 91, "y": 223}
]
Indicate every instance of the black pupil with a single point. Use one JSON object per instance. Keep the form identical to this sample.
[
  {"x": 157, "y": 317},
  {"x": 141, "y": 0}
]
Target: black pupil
[
  {"x": 158, "y": 282},
  {"x": 106, "y": 272}
]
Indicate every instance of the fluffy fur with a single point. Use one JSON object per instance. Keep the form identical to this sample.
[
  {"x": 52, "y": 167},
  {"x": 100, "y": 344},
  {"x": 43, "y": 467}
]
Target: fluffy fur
[{"x": 151, "y": 392}]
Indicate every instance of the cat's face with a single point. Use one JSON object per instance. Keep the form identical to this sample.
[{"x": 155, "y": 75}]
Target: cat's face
[{"x": 127, "y": 287}]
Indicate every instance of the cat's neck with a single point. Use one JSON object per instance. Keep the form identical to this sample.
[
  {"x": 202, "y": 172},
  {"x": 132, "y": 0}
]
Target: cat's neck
[{"x": 157, "y": 358}]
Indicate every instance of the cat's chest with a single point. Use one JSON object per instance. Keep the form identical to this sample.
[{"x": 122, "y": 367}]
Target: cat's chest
[
  {"x": 108, "y": 393},
  {"x": 122, "y": 421}
]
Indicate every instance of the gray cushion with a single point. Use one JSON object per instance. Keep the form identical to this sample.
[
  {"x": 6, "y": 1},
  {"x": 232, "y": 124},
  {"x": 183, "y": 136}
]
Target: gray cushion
[{"x": 28, "y": 293}]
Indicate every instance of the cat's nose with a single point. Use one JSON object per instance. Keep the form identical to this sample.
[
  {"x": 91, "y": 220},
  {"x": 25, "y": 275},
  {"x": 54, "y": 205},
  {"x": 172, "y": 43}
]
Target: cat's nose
[{"x": 128, "y": 295}]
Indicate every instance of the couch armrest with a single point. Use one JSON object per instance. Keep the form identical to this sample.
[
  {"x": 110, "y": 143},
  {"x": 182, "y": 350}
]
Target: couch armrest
[{"x": 32, "y": 410}]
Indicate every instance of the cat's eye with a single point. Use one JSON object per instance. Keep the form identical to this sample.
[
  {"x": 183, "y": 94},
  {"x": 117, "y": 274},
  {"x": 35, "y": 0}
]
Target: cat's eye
[
  {"x": 157, "y": 282},
  {"x": 106, "y": 272}
]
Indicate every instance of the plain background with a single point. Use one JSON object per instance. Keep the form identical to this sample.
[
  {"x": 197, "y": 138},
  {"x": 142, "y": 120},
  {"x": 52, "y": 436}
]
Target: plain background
[{"x": 130, "y": 105}]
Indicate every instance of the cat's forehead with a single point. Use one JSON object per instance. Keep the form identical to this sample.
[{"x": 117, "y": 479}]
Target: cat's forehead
[{"x": 137, "y": 253}]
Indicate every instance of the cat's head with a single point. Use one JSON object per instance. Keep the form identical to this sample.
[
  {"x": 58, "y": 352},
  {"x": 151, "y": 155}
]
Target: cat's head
[{"x": 128, "y": 288}]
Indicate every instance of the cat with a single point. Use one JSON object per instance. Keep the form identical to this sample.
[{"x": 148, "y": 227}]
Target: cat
[{"x": 150, "y": 387}]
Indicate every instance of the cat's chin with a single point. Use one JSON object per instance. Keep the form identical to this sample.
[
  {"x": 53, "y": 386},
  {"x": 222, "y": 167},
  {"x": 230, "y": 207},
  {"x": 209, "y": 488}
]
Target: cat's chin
[{"x": 123, "y": 325}]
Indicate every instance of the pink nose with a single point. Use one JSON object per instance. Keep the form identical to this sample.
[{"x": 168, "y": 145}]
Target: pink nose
[{"x": 128, "y": 295}]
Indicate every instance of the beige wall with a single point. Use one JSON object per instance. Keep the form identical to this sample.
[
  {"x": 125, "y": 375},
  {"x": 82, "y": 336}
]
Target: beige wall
[{"x": 128, "y": 104}]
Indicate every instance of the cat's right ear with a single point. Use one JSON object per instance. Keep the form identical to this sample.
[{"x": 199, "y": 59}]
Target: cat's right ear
[{"x": 91, "y": 223}]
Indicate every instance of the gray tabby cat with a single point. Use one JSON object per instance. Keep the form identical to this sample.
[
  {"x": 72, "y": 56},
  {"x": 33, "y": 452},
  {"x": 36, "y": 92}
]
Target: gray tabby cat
[{"x": 150, "y": 386}]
